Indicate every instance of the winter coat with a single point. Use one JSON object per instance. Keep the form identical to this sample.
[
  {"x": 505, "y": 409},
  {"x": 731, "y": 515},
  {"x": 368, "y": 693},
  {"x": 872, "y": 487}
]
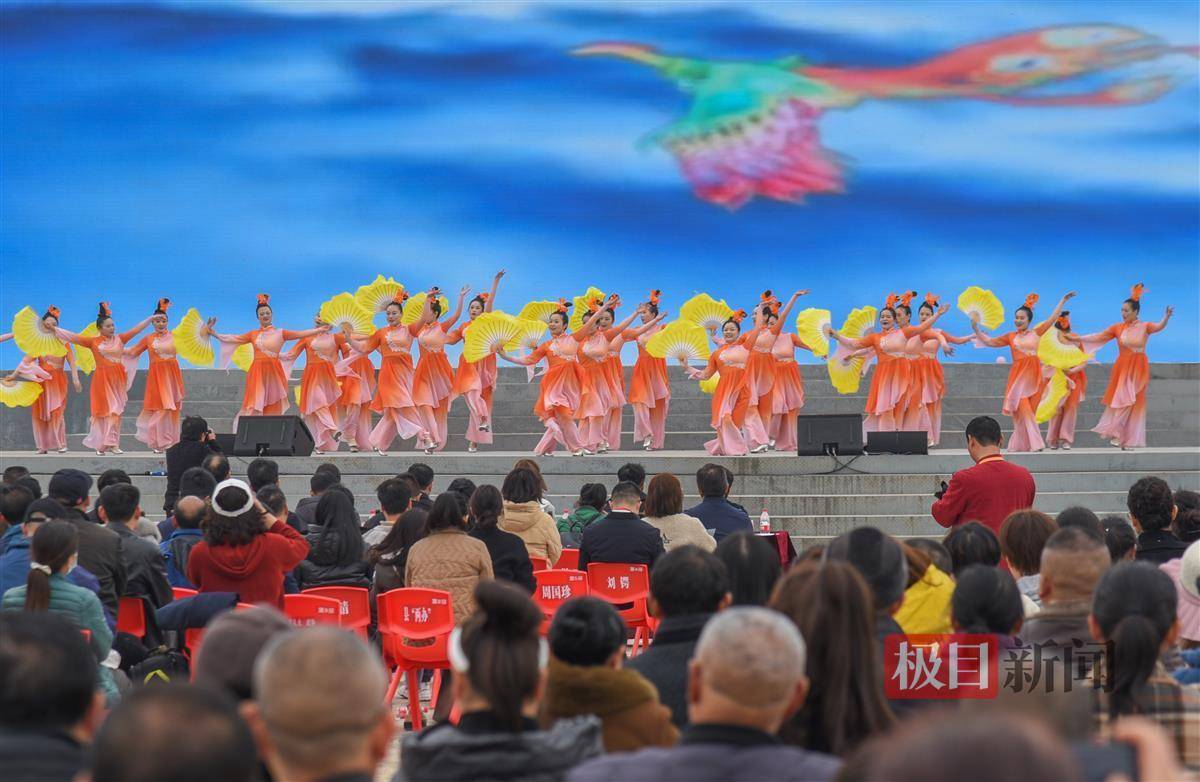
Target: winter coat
[
  {"x": 254, "y": 570},
  {"x": 570, "y": 528},
  {"x": 620, "y": 537},
  {"x": 627, "y": 704},
  {"x": 926, "y": 606},
  {"x": 322, "y": 568},
  {"x": 175, "y": 550},
  {"x": 452, "y": 560},
  {"x": 145, "y": 569},
  {"x": 665, "y": 663},
  {"x": 510, "y": 559},
  {"x": 531, "y": 524},
  {"x": 680, "y": 529}
]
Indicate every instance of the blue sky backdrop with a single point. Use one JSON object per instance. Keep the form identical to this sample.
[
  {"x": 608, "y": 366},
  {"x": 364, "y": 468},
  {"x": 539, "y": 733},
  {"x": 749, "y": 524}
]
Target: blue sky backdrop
[{"x": 209, "y": 150}]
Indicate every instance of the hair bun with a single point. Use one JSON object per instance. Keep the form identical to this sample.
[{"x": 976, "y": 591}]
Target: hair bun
[
  {"x": 230, "y": 498},
  {"x": 507, "y": 611}
]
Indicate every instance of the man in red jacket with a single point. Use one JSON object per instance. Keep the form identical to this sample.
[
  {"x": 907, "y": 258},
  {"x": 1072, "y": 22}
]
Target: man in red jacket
[{"x": 990, "y": 490}]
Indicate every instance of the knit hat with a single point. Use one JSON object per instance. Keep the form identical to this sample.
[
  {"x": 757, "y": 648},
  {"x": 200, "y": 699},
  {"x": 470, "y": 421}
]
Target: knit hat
[{"x": 231, "y": 644}]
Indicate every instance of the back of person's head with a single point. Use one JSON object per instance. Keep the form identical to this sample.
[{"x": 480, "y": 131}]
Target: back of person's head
[
  {"x": 70, "y": 487},
  {"x": 44, "y": 509},
  {"x": 423, "y": 474},
  {"x": 986, "y": 600},
  {"x": 1135, "y": 610},
  {"x": 664, "y": 496},
  {"x": 1187, "y": 518},
  {"x": 273, "y": 499},
  {"x": 1120, "y": 537},
  {"x": 1081, "y": 517},
  {"x": 972, "y": 544},
  {"x": 712, "y": 481},
  {"x": 1022, "y": 536},
  {"x": 1072, "y": 563},
  {"x": 119, "y": 501},
  {"x": 52, "y": 547},
  {"x": 497, "y": 654},
  {"x": 1185, "y": 500},
  {"x": 587, "y": 631},
  {"x": 262, "y": 472},
  {"x": 232, "y": 519},
  {"x": 486, "y": 506},
  {"x": 218, "y": 465},
  {"x": 689, "y": 580},
  {"x": 14, "y": 500},
  {"x": 878, "y": 559},
  {"x": 324, "y": 478},
  {"x": 592, "y": 495},
  {"x": 197, "y": 482},
  {"x": 29, "y": 484},
  {"x": 446, "y": 513},
  {"x": 936, "y": 552},
  {"x": 232, "y": 643},
  {"x": 1151, "y": 504},
  {"x": 318, "y": 701},
  {"x": 462, "y": 489},
  {"x": 140, "y": 739},
  {"x": 47, "y": 673},
  {"x": 753, "y": 567},
  {"x": 192, "y": 428},
  {"x": 110, "y": 477},
  {"x": 625, "y": 495},
  {"x": 394, "y": 496},
  {"x": 536, "y": 469},
  {"x": 522, "y": 485},
  {"x": 984, "y": 430},
  {"x": 11, "y": 474},
  {"x": 340, "y": 539},
  {"x": 632, "y": 472}
]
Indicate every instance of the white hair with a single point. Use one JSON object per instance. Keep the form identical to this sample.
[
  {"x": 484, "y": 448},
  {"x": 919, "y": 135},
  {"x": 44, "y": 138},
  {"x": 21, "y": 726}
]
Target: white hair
[{"x": 753, "y": 655}]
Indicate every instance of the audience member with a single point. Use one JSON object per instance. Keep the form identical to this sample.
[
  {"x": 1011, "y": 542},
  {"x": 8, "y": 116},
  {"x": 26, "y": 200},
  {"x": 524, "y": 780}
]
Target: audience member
[
  {"x": 196, "y": 441},
  {"x": 218, "y": 465},
  {"x": 262, "y": 472},
  {"x": 49, "y": 704},
  {"x": 536, "y": 469},
  {"x": 510, "y": 559},
  {"x": 231, "y": 644},
  {"x": 936, "y": 551},
  {"x": 621, "y": 536},
  {"x": 245, "y": 549},
  {"x": 1079, "y": 516},
  {"x": 593, "y": 497},
  {"x": 990, "y": 490},
  {"x": 1184, "y": 573},
  {"x": 719, "y": 516},
  {"x": 746, "y": 680},
  {"x": 663, "y": 509},
  {"x": 586, "y": 676},
  {"x": 833, "y": 608},
  {"x": 195, "y": 482},
  {"x": 525, "y": 518},
  {"x": 31, "y": 484},
  {"x": 274, "y": 500},
  {"x": 462, "y": 488},
  {"x": 12, "y": 474},
  {"x": 1022, "y": 537},
  {"x": 395, "y": 498},
  {"x": 323, "y": 478},
  {"x": 499, "y": 663},
  {"x": 926, "y": 606},
  {"x": 1152, "y": 510},
  {"x": 1120, "y": 537},
  {"x": 880, "y": 561},
  {"x": 687, "y": 586},
  {"x": 145, "y": 569},
  {"x": 14, "y": 563},
  {"x": 140, "y": 740},
  {"x": 972, "y": 544},
  {"x": 987, "y": 601},
  {"x": 318, "y": 713},
  {"x": 423, "y": 475},
  {"x": 99, "y": 548},
  {"x": 1187, "y": 519},
  {"x": 448, "y": 558},
  {"x": 753, "y": 567},
  {"x": 143, "y": 527},
  {"x": 408, "y": 529},
  {"x": 189, "y": 512},
  {"x": 336, "y": 553},
  {"x": 634, "y": 473},
  {"x": 14, "y": 500},
  {"x": 1072, "y": 564}
]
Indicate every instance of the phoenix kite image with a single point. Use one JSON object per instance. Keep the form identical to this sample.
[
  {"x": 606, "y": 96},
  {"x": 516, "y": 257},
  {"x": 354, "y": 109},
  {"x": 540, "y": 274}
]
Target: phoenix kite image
[{"x": 752, "y": 126}]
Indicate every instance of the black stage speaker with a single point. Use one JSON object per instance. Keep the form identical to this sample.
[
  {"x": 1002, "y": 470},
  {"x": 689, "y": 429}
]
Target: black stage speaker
[
  {"x": 272, "y": 435},
  {"x": 898, "y": 442},
  {"x": 840, "y": 434}
]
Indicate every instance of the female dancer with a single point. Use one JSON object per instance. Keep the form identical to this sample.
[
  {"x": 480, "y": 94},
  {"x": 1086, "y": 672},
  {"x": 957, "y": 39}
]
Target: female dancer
[
  {"x": 356, "y": 373},
  {"x": 730, "y": 399},
  {"x": 760, "y": 369},
  {"x": 1025, "y": 380},
  {"x": 562, "y": 384},
  {"x": 49, "y": 426},
  {"x": 109, "y": 391},
  {"x": 649, "y": 387},
  {"x": 1061, "y": 432},
  {"x": 1123, "y": 422},
  {"x": 614, "y": 370},
  {"x": 158, "y": 423},
  {"x": 604, "y": 389},
  {"x": 319, "y": 390},
  {"x": 433, "y": 380},
  {"x": 267, "y": 381},
  {"x": 393, "y": 396},
  {"x": 787, "y": 395},
  {"x": 929, "y": 382},
  {"x": 476, "y": 380},
  {"x": 888, "y": 396}
]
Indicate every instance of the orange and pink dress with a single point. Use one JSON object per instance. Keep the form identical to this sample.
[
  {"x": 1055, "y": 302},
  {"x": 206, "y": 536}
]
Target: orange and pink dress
[
  {"x": 267, "y": 379},
  {"x": 49, "y": 425},
  {"x": 787, "y": 393},
  {"x": 394, "y": 388},
  {"x": 759, "y": 381},
  {"x": 357, "y": 376},
  {"x": 109, "y": 390},
  {"x": 1061, "y": 430},
  {"x": 1023, "y": 392},
  {"x": 614, "y": 374},
  {"x": 475, "y": 382},
  {"x": 320, "y": 390},
  {"x": 603, "y": 391},
  {"x": 649, "y": 393},
  {"x": 433, "y": 383},
  {"x": 158, "y": 423},
  {"x": 1123, "y": 421},
  {"x": 887, "y": 399},
  {"x": 561, "y": 391},
  {"x": 730, "y": 399},
  {"x": 927, "y": 385}
]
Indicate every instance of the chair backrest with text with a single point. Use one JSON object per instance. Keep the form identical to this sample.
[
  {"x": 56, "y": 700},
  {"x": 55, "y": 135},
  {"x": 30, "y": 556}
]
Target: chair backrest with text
[
  {"x": 354, "y": 602},
  {"x": 307, "y": 610},
  {"x": 555, "y": 587}
]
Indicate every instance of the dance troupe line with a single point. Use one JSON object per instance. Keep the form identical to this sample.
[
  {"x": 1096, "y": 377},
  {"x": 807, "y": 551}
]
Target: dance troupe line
[{"x": 757, "y": 390}]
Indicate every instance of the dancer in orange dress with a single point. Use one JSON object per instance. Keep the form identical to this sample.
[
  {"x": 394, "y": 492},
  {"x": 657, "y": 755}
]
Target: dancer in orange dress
[
  {"x": 760, "y": 369},
  {"x": 475, "y": 381},
  {"x": 787, "y": 393},
  {"x": 1061, "y": 431},
  {"x": 356, "y": 373},
  {"x": 614, "y": 371},
  {"x": 928, "y": 379},
  {"x": 158, "y": 423},
  {"x": 320, "y": 391},
  {"x": 730, "y": 400},
  {"x": 49, "y": 425},
  {"x": 649, "y": 386},
  {"x": 562, "y": 384},
  {"x": 603, "y": 391},
  {"x": 1123, "y": 422},
  {"x": 110, "y": 382},
  {"x": 433, "y": 380},
  {"x": 1026, "y": 380},
  {"x": 393, "y": 394}
]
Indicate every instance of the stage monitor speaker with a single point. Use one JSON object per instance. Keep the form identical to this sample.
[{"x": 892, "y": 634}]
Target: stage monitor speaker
[
  {"x": 272, "y": 435},
  {"x": 839, "y": 435},
  {"x": 898, "y": 442}
]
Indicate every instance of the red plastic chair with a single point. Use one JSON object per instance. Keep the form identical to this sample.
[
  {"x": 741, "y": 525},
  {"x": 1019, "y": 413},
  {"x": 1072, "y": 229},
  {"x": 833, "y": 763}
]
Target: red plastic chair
[
  {"x": 569, "y": 560},
  {"x": 539, "y": 563},
  {"x": 179, "y": 593},
  {"x": 555, "y": 587},
  {"x": 414, "y": 614},
  {"x": 309, "y": 610},
  {"x": 131, "y": 616},
  {"x": 623, "y": 584},
  {"x": 355, "y": 604}
]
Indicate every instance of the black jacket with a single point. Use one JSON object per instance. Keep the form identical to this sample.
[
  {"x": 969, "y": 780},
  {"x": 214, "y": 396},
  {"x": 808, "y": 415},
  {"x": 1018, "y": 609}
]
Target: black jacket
[
  {"x": 321, "y": 567},
  {"x": 40, "y": 756},
  {"x": 180, "y": 457},
  {"x": 721, "y": 517},
  {"x": 145, "y": 568},
  {"x": 620, "y": 537},
  {"x": 100, "y": 554},
  {"x": 1159, "y": 546},
  {"x": 510, "y": 558},
  {"x": 665, "y": 663}
]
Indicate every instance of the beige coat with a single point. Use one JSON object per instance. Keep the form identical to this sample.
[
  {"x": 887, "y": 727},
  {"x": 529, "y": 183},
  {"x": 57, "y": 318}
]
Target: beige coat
[
  {"x": 453, "y": 561},
  {"x": 680, "y": 529},
  {"x": 531, "y": 524}
]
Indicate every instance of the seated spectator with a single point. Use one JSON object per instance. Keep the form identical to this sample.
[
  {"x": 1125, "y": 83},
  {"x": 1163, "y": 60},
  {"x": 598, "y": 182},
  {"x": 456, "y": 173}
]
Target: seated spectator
[
  {"x": 189, "y": 512},
  {"x": 1183, "y": 573},
  {"x": 1022, "y": 537},
  {"x": 262, "y": 472},
  {"x": 589, "y": 508},
  {"x": 323, "y": 478},
  {"x": 13, "y": 502},
  {"x": 972, "y": 544},
  {"x": 1072, "y": 564},
  {"x": 395, "y": 498},
  {"x": 335, "y": 546},
  {"x": 687, "y": 586},
  {"x": 926, "y": 606},
  {"x": 196, "y": 441},
  {"x": 144, "y": 528},
  {"x": 936, "y": 552},
  {"x": 499, "y": 661},
  {"x": 274, "y": 500},
  {"x": 230, "y": 646},
  {"x": 663, "y": 509},
  {"x": 525, "y": 518},
  {"x": 423, "y": 475},
  {"x": 1120, "y": 537},
  {"x": 621, "y": 536},
  {"x": 990, "y": 490},
  {"x": 880, "y": 561},
  {"x": 145, "y": 570},
  {"x": 832, "y": 606},
  {"x": 195, "y": 482},
  {"x": 448, "y": 558},
  {"x": 99, "y": 548},
  {"x": 318, "y": 713},
  {"x": 462, "y": 488},
  {"x": 586, "y": 676},
  {"x": 987, "y": 602},
  {"x": 1135, "y": 610},
  {"x": 1187, "y": 519},
  {"x": 536, "y": 469},
  {"x": 633, "y": 473},
  {"x": 49, "y": 705},
  {"x": 1079, "y": 516},
  {"x": 245, "y": 549},
  {"x": 139, "y": 741},
  {"x": 218, "y": 465},
  {"x": 14, "y": 563},
  {"x": 46, "y": 588},
  {"x": 753, "y": 567},
  {"x": 746, "y": 680},
  {"x": 1152, "y": 511},
  {"x": 408, "y": 529},
  {"x": 12, "y": 474},
  {"x": 510, "y": 559},
  {"x": 719, "y": 516}
]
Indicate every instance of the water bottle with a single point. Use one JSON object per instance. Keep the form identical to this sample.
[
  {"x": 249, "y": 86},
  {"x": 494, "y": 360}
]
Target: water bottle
[
  {"x": 156, "y": 473},
  {"x": 764, "y": 521}
]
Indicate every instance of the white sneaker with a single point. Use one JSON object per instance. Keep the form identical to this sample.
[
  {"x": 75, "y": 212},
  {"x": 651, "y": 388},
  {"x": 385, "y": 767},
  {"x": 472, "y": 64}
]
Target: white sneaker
[
  {"x": 1066, "y": 446},
  {"x": 472, "y": 448}
]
